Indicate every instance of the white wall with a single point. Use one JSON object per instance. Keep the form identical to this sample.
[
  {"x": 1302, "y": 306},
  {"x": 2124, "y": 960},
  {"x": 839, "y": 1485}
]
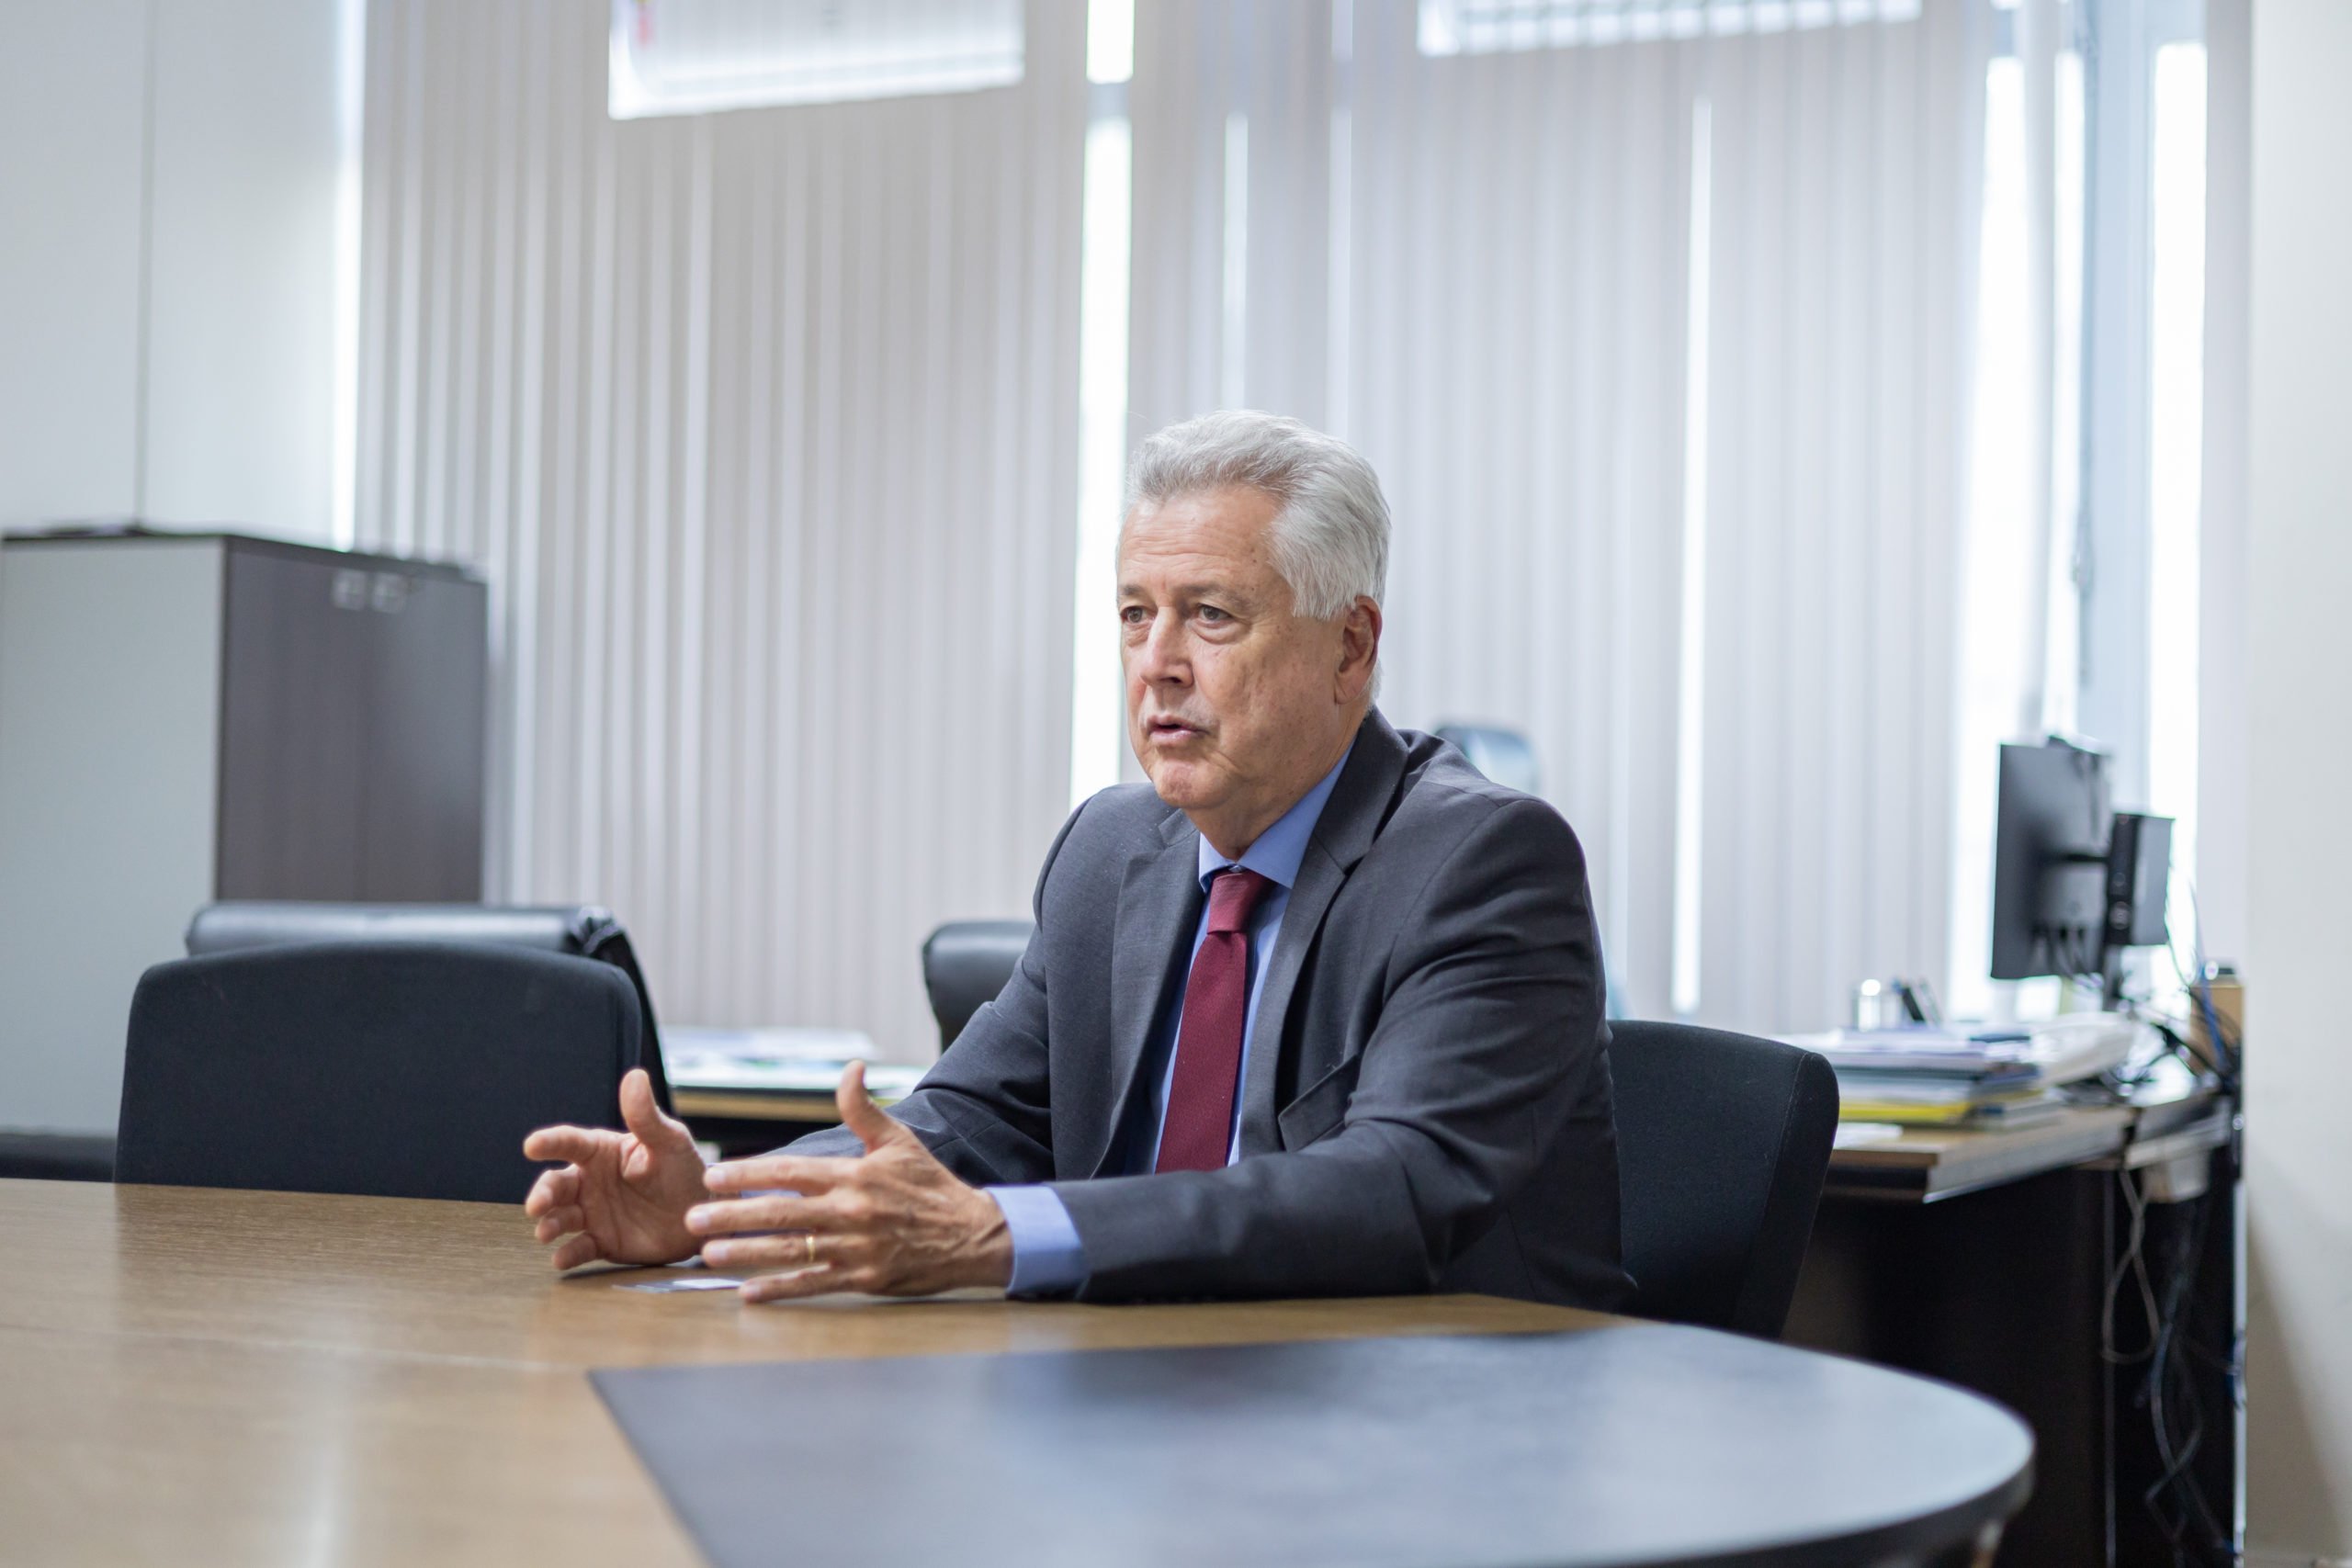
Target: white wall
[
  {"x": 107, "y": 841},
  {"x": 241, "y": 338},
  {"x": 2300, "y": 661},
  {"x": 167, "y": 282},
  {"x": 71, "y": 87}
]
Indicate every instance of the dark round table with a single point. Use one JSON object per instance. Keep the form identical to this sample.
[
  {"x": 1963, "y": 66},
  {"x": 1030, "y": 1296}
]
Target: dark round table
[{"x": 1632, "y": 1443}]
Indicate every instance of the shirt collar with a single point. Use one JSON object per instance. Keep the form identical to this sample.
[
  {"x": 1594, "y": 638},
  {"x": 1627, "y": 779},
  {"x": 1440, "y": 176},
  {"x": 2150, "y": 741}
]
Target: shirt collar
[{"x": 1281, "y": 847}]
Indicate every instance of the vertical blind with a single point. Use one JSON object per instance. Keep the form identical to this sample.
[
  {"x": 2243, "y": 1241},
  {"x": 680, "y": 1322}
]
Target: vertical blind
[
  {"x": 1483, "y": 280},
  {"x": 1845, "y": 182},
  {"x": 1516, "y": 374},
  {"x": 761, "y": 426},
  {"x": 1202, "y": 68}
]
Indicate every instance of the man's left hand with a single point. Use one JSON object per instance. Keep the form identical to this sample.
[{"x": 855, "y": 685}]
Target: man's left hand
[{"x": 896, "y": 1223}]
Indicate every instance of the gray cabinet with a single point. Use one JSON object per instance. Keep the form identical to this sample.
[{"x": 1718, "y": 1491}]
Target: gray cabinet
[{"x": 191, "y": 717}]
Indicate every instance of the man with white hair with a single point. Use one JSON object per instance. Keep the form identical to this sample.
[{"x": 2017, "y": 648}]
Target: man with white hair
[{"x": 1317, "y": 1013}]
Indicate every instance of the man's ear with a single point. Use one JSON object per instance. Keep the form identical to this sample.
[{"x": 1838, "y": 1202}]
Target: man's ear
[{"x": 1358, "y": 648}]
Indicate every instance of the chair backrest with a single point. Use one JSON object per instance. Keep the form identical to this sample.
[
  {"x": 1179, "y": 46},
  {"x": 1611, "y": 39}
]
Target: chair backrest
[
  {"x": 1502, "y": 755},
  {"x": 964, "y": 964},
  {"x": 396, "y": 1069},
  {"x": 1723, "y": 1145},
  {"x": 582, "y": 929}
]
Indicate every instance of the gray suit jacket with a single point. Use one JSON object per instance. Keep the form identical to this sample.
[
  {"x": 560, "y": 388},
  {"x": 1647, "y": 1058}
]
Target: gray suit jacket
[{"x": 1428, "y": 1096}]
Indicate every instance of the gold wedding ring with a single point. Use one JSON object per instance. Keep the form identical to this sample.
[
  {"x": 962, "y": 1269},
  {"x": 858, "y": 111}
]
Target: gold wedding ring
[{"x": 811, "y": 1239}]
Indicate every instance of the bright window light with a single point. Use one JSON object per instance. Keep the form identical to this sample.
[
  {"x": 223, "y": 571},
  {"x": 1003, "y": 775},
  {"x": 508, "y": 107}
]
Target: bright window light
[
  {"x": 1492, "y": 27},
  {"x": 1999, "y": 544},
  {"x": 699, "y": 56},
  {"x": 1110, "y": 40},
  {"x": 1097, "y": 702},
  {"x": 2061, "y": 673},
  {"x": 1234, "y": 338},
  {"x": 1690, "y": 803}
]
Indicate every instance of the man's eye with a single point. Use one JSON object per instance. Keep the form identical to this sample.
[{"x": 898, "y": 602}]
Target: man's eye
[
  {"x": 1212, "y": 615},
  {"x": 1133, "y": 614}
]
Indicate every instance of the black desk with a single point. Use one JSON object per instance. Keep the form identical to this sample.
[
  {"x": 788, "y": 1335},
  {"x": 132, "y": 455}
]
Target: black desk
[
  {"x": 1984, "y": 1259},
  {"x": 1620, "y": 1443}
]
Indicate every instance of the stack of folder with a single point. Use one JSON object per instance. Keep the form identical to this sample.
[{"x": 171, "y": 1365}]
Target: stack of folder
[{"x": 1987, "y": 1079}]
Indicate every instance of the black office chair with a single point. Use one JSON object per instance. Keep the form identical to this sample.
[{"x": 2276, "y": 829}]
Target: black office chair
[
  {"x": 964, "y": 964},
  {"x": 57, "y": 1157},
  {"x": 1723, "y": 1145},
  {"x": 1502, "y": 755},
  {"x": 581, "y": 928},
  {"x": 395, "y": 1069}
]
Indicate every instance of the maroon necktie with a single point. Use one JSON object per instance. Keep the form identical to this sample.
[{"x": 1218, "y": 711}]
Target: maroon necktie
[{"x": 1197, "y": 1131}]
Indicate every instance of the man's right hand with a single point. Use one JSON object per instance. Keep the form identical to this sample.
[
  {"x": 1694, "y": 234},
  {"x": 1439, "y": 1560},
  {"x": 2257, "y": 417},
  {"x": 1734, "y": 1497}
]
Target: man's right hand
[{"x": 624, "y": 1196}]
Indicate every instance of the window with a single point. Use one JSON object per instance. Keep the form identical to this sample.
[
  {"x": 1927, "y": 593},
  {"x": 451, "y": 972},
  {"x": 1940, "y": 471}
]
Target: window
[
  {"x": 694, "y": 56},
  {"x": 1490, "y": 27},
  {"x": 2116, "y": 624},
  {"x": 2006, "y": 623}
]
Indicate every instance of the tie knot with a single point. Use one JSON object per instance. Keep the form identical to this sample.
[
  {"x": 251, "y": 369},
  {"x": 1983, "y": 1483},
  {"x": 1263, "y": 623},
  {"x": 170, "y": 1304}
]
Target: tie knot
[{"x": 1233, "y": 894}]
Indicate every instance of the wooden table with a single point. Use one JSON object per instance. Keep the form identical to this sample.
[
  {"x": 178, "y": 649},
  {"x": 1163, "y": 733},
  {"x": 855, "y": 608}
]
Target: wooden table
[{"x": 258, "y": 1377}]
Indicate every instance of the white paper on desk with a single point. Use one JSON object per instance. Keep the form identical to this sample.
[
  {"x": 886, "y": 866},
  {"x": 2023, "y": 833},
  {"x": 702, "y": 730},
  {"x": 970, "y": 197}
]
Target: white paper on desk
[
  {"x": 2060, "y": 1050},
  {"x": 886, "y": 1083},
  {"x": 772, "y": 1044},
  {"x": 696, "y": 1283}
]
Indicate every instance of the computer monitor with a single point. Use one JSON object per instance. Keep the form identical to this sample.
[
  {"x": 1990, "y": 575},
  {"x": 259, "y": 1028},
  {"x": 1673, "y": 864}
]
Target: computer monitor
[
  {"x": 2076, "y": 883},
  {"x": 1503, "y": 755},
  {"x": 2049, "y": 861}
]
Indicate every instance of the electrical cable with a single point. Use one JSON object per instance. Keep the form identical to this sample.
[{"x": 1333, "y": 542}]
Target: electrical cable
[
  {"x": 2133, "y": 1262},
  {"x": 2173, "y": 1358},
  {"x": 2174, "y": 1500}
]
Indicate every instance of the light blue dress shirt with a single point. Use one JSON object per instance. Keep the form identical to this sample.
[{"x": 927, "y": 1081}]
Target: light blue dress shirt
[{"x": 1046, "y": 1256}]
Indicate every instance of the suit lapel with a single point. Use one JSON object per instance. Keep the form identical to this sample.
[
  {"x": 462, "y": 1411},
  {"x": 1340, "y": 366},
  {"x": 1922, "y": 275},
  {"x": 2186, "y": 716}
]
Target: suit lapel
[
  {"x": 1160, "y": 903},
  {"x": 1351, "y": 820}
]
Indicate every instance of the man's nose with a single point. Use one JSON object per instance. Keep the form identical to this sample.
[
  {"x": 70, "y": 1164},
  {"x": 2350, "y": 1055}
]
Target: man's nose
[{"x": 1161, "y": 656}]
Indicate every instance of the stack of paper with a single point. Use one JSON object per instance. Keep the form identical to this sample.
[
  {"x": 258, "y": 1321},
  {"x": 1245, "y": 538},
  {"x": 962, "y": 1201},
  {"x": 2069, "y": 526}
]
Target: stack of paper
[
  {"x": 2007, "y": 1099},
  {"x": 1983, "y": 1078}
]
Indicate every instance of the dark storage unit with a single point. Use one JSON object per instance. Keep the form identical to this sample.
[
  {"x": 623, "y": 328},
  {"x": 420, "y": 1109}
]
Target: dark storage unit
[{"x": 352, "y": 713}]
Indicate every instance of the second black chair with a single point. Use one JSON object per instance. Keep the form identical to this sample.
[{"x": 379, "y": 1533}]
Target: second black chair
[
  {"x": 1723, "y": 1145},
  {"x": 964, "y": 964},
  {"x": 395, "y": 1069}
]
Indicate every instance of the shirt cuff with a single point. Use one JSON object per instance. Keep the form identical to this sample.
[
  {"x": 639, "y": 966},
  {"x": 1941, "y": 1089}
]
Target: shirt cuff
[{"x": 1047, "y": 1259}]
